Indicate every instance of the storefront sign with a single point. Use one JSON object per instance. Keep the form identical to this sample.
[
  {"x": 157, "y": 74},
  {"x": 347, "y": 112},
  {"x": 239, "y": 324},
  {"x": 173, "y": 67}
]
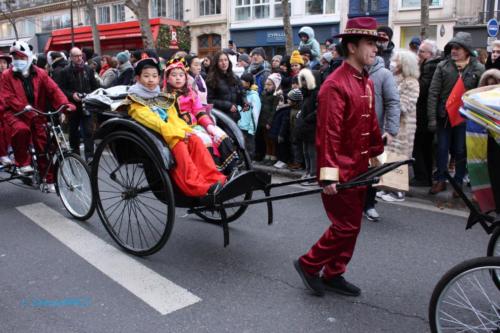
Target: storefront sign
[{"x": 276, "y": 37}]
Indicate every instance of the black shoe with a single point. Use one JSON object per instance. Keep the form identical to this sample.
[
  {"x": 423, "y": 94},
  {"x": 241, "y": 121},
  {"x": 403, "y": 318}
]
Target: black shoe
[
  {"x": 339, "y": 285},
  {"x": 313, "y": 283}
]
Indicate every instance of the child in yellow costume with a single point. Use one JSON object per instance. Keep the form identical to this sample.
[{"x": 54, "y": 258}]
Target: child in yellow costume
[{"x": 195, "y": 172}]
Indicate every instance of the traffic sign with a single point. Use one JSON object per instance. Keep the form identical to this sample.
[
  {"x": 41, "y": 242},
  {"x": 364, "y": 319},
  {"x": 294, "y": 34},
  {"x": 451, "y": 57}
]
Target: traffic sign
[{"x": 492, "y": 27}]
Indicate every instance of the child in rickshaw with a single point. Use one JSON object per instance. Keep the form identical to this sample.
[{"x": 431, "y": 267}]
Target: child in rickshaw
[
  {"x": 195, "y": 172},
  {"x": 191, "y": 110}
]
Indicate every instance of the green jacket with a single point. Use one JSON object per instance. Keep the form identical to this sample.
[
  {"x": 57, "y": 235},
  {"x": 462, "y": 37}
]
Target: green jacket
[{"x": 443, "y": 81}]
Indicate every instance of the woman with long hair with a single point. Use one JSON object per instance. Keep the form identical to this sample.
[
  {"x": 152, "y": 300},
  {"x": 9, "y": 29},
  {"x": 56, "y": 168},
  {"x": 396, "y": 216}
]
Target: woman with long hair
[{"x": 224, "y": 87}]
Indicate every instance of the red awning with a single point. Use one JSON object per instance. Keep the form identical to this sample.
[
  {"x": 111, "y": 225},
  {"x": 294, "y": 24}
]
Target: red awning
[{"x": 123, "y": 33}]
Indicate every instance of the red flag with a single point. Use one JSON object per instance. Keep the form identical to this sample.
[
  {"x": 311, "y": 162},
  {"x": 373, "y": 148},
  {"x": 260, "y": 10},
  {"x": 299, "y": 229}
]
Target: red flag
[{"x": 454, "y": 103}]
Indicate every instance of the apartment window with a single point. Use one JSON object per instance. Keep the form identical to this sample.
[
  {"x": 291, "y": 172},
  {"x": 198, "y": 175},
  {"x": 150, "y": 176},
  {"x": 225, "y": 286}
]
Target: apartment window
[
  {"x": 209, "y": 7},
  {"x": 167, "y": 8},
  {"x": 103, "y": 15},
  {"x": 368, "y": 6},
  {"x": 252, "y": 9},
  {"x": 405, "y": 4},
  {"x": 318, "y": 7},
  {"x": 118, "y": 13},
  {"x": 278, "y": 8}
]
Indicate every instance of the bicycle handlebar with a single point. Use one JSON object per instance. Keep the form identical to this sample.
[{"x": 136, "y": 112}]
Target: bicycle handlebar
[{"x": 41, "y": 113}]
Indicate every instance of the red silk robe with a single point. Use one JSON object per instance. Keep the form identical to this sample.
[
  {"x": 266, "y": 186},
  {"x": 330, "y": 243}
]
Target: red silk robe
[{"x": 347, "y": 136}]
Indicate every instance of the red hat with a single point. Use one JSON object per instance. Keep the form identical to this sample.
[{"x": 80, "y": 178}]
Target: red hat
[
  {"x": 7, "y": 57},
  {"x": 361, "y": 27}
]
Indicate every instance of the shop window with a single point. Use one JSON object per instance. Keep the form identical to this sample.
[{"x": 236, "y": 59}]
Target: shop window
[
  {"x": 317, "y": 7},
  {"x": 407, "y": 33},
  {"x": 415, "y": 4},
  {"x": 209, "y": 7},
  {"x": 209, "y": 44}
]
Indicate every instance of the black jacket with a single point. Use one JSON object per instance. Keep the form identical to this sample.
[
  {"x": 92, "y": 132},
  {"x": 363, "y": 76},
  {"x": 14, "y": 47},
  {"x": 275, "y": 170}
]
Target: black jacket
[
  {"x": 223, "y": 95},
  {"x": 427, "y": 70},
  {"x": 305, "y": 129},
  {"x": 72, "y": 80},
  {"x": 57, "y": 67}
]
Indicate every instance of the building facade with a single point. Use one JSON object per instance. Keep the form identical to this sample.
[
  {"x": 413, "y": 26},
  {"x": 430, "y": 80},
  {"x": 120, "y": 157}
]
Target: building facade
[
  {"x": 207, "y": 20},
  {"x": 256, "y": 23},
  {"x": 443, "y": 17},
  {"x": 476, "y": 25},
  {"x": 379, "y": 9}
]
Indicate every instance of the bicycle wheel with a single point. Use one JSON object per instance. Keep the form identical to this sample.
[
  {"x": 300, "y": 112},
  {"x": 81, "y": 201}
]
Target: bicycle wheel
[
  {"x": 213, "y": 216},
  {"x": 74, "y": 187},
  {"x": 134, "y": 195},
  {"x": 466, "y": 299},
  {"x": 494, "y": 250}
]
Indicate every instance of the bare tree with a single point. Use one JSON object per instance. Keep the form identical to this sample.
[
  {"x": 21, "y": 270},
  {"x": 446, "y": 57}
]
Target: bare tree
[
  {"x": 141, "y": 11},
  {"x": 89, "y": 7},
  {"x": 8, "y": 14},
  {"x": 287, "y": 26},
  {"x": 424, "y": 19}
]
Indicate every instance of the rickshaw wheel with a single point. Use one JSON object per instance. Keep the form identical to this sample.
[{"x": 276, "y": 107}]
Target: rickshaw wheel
[
  {"x": 213, "y": 216},
  {"x": 134, "y": 194}
]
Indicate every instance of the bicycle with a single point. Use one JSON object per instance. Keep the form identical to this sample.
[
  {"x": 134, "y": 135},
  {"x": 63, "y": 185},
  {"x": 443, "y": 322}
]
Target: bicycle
[
  {"x": 467, "y": 297},
  {"x": 72, "y": 175}
]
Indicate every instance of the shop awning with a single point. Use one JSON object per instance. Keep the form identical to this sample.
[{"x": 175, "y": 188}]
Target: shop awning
[{"x": 123, "y": 33}]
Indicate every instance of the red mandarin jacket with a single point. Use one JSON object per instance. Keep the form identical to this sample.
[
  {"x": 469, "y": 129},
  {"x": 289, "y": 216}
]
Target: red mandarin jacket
[{"x": 347, "y": 134}]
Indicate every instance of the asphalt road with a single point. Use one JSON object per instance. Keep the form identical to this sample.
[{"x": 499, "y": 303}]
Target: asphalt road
[{"x": 250, "y": 286}]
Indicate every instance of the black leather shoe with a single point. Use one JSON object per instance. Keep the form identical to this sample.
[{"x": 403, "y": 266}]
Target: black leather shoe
[
  {"x": 339, "y": 285},
  {"x": 313, "y": 283}
]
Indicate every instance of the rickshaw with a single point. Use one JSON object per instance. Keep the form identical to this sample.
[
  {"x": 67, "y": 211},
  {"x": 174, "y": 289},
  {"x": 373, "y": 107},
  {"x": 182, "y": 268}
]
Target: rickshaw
[{"x": 135, "y": 197}]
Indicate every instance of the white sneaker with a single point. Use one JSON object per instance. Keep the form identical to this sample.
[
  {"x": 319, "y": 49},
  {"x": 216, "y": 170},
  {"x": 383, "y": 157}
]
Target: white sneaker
[
  {"x": 26, "y": 170},
  {"x": 280, "y": 165},
  {"x": 5, "y": 161},
  {"x": 394, "y": 197},
  {"x": 380, "y": 194},
  {"x": 372, "y": 215},
  {"x": 48, "y": 187}
]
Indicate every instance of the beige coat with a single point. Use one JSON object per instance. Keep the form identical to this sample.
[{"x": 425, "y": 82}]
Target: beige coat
[{"x": 408, "y": 92}]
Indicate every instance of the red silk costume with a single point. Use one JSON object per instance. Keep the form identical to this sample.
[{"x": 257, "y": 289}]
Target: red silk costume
[
  {"x": 28, "y": 127},
  {"x": 347, "y": 136}
]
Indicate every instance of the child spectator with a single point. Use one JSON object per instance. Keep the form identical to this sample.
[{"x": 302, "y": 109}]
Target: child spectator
[
  {"x": 295, "y": 99},
  {"x": 296, "y": 63},
  {"x": 269, "y": 102},
  {"x": 278, "y": 131},
  {"x": 307, "y": 39},
  {"x": 249, "y": 113}
]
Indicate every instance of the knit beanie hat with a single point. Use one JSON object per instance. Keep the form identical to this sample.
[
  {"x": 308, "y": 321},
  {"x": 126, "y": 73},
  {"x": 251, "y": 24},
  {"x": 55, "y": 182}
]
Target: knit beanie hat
[
  {"x": 328, "y": 56},
  {"x": 276, "y": 79},
  {"x": 123, "y": 57},
  {"x": 260, "y": 51},
  {"x": 296, "y": 58},
  {"x": 277, "y": 57},
  {"x": 244, "y": 57},
  {"x": 388, "y": 31},
  {"x": 295, "y": 95}
]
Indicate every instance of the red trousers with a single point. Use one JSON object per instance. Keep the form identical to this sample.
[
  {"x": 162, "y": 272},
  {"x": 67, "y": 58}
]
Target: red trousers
[
  {"x": 333, "y": 251},
  {"x": 195, "y": 170},
  {"x": 4, "y": 136},
  {"x": 23, "y": 132}
]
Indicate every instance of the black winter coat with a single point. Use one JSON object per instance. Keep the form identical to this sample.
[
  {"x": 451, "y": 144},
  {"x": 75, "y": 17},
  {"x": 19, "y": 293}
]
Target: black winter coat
[
  {"x": 224, "y": 95},
  {"x": 305, "y": 129},
  {"x": 269, "y": 103},
  {"x": 72, "y": 80},
  {"x": 427, "y": 70}
]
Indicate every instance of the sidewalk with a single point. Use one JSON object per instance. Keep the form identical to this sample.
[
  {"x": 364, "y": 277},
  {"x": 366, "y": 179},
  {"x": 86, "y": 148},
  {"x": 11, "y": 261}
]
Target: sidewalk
[{"x": 441, "y": 200}]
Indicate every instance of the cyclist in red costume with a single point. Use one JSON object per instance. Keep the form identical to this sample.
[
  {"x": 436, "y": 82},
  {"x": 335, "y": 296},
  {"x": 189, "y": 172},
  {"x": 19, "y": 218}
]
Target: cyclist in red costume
[
  {"x": 22, "y": 88},
  {"x": 5, "y": 61}
]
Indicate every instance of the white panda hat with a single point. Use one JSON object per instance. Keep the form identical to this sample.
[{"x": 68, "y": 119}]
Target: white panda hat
[{"x": 24, "y": 49}]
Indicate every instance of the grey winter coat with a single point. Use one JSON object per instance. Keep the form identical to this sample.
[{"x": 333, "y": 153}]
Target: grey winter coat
[
  {"x": 386, "y": 97},
  {"x": 109, "y": 77},
  {"x": 312, "y": 43}
]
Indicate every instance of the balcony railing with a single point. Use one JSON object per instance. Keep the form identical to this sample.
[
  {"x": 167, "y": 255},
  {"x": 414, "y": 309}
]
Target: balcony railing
[{"x": 484, "y": 17}]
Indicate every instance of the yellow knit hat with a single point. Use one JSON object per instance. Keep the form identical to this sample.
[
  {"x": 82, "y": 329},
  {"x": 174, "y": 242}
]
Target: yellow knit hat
[{"x": 296, "y": 58}]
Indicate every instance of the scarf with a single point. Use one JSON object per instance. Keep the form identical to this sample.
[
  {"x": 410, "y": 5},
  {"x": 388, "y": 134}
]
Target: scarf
[
  {"x": 104, "y": 69},
  {"x": 143, "y": 92},
  {"x": 462, "y": 64},
  {"x": 78, "y": 68},
  {"x": 123, "y": 67},
  {"x": 199, "y": 83}
]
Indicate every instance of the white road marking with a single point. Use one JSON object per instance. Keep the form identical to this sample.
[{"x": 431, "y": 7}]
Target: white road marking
[{"x": 158, "y": 292}]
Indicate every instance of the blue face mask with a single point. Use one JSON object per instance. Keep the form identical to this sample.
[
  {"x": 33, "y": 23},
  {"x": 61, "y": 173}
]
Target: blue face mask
[{"x": 19, "y": 65}]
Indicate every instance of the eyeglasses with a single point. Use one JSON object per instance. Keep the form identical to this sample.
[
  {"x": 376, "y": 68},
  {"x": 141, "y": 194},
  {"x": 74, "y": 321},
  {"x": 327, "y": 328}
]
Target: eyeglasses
[{"x": 76, "y": 55}]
